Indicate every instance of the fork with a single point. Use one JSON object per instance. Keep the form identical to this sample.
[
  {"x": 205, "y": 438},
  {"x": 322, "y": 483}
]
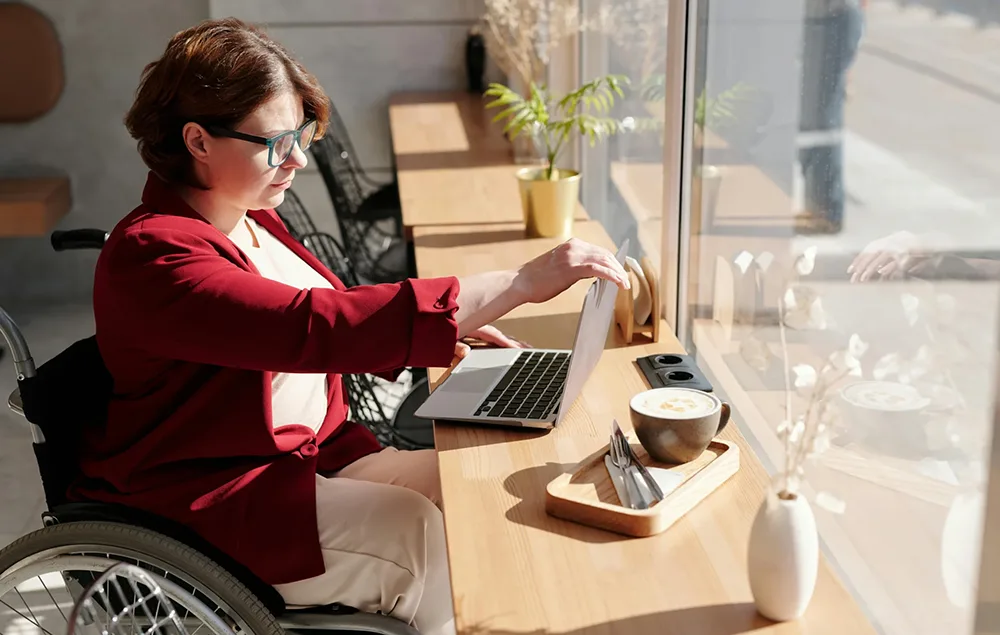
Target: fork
[{"x": 622, "y": 462}]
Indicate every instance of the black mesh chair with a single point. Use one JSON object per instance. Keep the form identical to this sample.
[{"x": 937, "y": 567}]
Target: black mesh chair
[
  {"x": 384, "y": 197},
  {"x": 363, "y": 211},
  {"x": 392, "y": 424}
]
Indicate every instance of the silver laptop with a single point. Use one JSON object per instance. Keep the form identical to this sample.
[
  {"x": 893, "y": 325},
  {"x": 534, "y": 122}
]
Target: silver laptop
[{"x": 531, "y": 388}]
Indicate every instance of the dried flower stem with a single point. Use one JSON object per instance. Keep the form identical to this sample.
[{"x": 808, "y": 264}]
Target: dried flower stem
[
  {"x": 788, "y": 389},
  {"x": 522, "y": 34},
  {"x": 816, "y": 398}
]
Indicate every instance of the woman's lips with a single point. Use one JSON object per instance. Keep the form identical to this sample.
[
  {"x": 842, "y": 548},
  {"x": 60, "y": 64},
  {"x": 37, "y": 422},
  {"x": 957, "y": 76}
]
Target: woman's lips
[{"x": 284, "y": 185}]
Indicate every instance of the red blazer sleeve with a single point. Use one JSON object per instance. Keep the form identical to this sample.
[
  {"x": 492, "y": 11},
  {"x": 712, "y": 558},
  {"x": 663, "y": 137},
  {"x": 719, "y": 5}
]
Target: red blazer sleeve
[{"x": 178, "y": 295}]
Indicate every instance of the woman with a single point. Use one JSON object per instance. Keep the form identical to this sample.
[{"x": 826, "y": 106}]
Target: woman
[{"x": 225, "y": 339}]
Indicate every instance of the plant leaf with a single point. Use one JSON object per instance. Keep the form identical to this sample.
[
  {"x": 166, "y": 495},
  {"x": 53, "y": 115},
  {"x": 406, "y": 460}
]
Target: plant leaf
[
  {"x": 805, "y": 376},
  {"x": 886, "y": 366},
  {"x": 911, "y": 308},
  {"x": 503, "y": 114},
  {"x": 857, "y": 347},
  {"x": 806, "y": 263}
]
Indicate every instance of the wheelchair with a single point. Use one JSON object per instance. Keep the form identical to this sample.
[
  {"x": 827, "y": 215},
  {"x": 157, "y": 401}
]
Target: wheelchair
[{"x": 79, "y": 541}]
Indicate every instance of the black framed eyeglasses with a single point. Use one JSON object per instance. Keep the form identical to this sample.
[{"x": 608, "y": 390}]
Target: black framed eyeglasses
[{"x": 279, "y": 147}]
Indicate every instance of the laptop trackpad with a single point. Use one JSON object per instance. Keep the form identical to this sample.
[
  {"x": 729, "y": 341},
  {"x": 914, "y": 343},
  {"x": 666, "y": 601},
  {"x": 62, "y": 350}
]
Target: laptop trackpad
[{"x": 476, "y": 380}]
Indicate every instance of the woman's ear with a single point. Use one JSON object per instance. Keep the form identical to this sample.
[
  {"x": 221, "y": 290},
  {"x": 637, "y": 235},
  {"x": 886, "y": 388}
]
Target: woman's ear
[{"x": 196, "y": 139}]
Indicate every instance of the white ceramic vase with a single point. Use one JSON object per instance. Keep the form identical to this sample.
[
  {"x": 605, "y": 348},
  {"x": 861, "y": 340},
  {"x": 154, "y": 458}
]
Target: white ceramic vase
[
  {"x": 783, "y": 557},
  {"x": 961, "y": 545}
]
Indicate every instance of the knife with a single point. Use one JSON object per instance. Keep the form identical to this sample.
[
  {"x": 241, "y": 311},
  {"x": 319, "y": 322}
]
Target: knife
[{"x": 654, "y": 487}]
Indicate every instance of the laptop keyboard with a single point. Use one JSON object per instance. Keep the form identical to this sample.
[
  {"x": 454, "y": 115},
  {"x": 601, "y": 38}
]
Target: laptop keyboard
[{"x": 530, "y": 389}]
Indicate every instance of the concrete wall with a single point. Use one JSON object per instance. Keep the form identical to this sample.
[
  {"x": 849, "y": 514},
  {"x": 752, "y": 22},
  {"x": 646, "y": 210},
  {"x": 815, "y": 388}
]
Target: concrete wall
[
  {"x": 106, "y": 43},
  {"x": 362, "y": 52}
]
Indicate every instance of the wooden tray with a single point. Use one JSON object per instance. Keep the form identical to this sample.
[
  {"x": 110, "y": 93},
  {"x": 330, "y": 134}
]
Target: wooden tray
[{"x": 586, "y": 495}]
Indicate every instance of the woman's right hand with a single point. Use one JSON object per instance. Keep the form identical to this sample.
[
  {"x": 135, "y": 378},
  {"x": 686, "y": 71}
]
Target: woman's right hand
[{"x": 553, "y": 272}]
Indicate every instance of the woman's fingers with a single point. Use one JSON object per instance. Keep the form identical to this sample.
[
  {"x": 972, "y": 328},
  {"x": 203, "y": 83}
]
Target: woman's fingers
[
  {"x": 876, "y": 267},
  {"x": 493, "y": 335},
  {"x": 867, "y": 265},
  {"x": 461, "y": 349},
  {"x": 893, "y": 269},
  {"x": 605, "y": 272},
  {"x": 860, "y": 263},
  {"x": 592, "y": 255},
  {"x": 605, "y": 266}
]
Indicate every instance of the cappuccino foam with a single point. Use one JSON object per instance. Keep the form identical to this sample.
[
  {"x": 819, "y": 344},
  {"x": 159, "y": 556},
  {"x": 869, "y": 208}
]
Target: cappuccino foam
[
  {"x": 878, "y": 395},
  {"x": 676, "y": 403}
]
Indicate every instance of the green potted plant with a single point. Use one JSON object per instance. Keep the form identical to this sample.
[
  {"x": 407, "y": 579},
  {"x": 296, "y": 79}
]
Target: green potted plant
[
  {"x": 549, "y": 194},
  {"x": 718, "y": 113}
]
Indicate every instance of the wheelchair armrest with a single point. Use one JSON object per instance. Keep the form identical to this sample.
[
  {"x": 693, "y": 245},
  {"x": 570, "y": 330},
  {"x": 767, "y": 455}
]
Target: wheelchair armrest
[{"x": 14, "y": 402}]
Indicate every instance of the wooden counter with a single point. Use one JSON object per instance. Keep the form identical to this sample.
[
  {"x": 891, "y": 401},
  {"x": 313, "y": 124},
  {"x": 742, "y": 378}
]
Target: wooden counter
[
  {"x": 748, "y": 202},
  {"x": 517, "y": 570},
  {"x": 454, "y": 166}
]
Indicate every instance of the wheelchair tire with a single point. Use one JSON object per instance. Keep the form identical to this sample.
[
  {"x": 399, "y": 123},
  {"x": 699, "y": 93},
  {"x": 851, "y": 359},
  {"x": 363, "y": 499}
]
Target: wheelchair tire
[{"x": 148, "y": 550}]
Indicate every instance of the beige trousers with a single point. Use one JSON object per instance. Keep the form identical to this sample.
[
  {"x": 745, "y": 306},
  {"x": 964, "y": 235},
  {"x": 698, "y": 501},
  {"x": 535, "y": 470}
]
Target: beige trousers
[{"x": 382, "y": 535}]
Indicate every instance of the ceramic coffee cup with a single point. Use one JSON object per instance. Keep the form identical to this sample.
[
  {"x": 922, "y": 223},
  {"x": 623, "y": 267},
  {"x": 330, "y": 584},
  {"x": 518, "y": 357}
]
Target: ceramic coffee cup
[
  {"x": 675, "y": 425},
  {"x": 885, "y": 414}
]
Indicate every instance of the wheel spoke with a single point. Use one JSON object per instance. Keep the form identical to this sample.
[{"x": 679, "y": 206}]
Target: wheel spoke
[
  {"x": 36, "y": 621},
  {"x": 32, "y": 620},
  {"x": 197, "y": 608},
  {"x": 51, "y": 597}
]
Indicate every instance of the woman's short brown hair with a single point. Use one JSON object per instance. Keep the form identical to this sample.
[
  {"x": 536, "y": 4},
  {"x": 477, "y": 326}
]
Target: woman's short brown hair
[{"x": 216, "y": 74}]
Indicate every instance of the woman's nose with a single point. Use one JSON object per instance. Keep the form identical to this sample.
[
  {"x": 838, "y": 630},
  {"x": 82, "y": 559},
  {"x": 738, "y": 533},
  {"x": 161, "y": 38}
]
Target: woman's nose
[{"x": 297, "y": 159}]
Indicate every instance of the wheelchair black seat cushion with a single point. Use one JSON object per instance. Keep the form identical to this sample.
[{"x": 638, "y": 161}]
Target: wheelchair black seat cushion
[{"x": 70, "y": 392}]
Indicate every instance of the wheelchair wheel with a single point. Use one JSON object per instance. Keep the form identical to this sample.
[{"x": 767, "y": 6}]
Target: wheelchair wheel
[
  {"x": 127, "y": 600},
  {"x": 43, "y": 574}
]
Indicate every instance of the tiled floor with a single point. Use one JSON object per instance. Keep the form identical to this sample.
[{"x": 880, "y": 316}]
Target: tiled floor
[{"x": 47, "y": 330}]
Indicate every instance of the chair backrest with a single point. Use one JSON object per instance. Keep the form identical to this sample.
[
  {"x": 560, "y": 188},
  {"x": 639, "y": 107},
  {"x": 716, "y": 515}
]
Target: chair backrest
[
  {"x": 32, "y": 76},
  {"x": 69, "y": 393},
  {"x": 337, "y": 130},
  {"x": 332, "y": 254},
  {"x": 341, "y": 175},
  {"x": 295, "y": 216},
  {"x": 325, "y": 247}
]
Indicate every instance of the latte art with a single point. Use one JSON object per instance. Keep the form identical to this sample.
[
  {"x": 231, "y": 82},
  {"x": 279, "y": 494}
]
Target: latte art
[
  {"x": 674, "y": 402},
  {"x": 883, "y": 395}
]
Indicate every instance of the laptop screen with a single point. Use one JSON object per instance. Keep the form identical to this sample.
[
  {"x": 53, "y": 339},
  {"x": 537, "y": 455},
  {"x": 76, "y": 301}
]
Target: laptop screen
[{"x": 591, "y": 333}]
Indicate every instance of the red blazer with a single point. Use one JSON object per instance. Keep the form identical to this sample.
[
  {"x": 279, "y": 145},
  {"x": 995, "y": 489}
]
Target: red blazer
[{"x": 192, "y": 333}]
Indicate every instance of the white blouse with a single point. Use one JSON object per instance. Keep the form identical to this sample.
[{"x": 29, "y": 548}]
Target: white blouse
[{"x": 295, "y": 397}]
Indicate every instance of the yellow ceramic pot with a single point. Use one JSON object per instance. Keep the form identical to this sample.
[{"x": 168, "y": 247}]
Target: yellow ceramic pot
[{"x": 549, "y": 205}]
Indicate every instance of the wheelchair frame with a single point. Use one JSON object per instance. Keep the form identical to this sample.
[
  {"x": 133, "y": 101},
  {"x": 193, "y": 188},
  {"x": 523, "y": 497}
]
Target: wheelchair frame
[{"x": 330, "y": 619}]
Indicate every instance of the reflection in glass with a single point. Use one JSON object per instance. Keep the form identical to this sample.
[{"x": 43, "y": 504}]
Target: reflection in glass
[{"x": 859, "y": 134}]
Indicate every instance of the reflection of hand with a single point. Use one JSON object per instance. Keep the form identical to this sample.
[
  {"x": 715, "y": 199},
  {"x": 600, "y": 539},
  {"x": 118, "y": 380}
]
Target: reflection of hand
[
  {"x": 489, "y": 335},
  {"x": 888, "y": 257},
  {"x": 553, "y": 272},
  {"x": 493, "y": 335}
]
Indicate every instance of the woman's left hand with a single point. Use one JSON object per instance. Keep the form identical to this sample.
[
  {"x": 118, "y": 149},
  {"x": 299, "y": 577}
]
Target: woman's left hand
[
  {"x": 553, "y": 272},
  {"x": 490, "y": 335}
]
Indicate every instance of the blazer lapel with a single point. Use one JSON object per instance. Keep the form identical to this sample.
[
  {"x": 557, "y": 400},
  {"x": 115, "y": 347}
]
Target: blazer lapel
[{"x": 277, "y": 229}]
